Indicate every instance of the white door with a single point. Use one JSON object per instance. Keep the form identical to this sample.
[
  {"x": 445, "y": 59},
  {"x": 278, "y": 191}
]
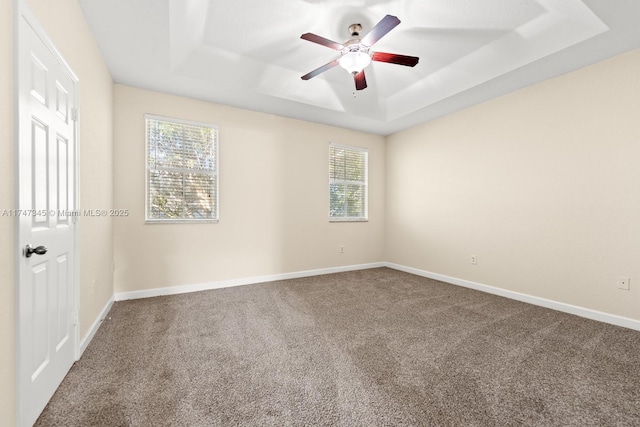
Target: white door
[{"x": 47, "y": 273}]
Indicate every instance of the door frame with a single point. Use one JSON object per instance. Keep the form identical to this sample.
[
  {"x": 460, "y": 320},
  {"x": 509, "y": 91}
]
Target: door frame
[{"x": 22, "y": 16}]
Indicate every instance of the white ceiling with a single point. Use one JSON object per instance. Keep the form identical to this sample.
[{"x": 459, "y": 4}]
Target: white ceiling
[{"x": 248, "y": 53}]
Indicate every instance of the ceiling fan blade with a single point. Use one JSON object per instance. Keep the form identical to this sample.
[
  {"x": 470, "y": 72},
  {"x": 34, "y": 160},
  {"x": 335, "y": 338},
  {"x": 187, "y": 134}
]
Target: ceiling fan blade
[
  {"x": 392, "y": 58},
  {"x": 321, "y": 40},
  {"x": 361, "y": 81},
  {"x": 322, "y": 69},
  {"x": 385, "y": 25}
]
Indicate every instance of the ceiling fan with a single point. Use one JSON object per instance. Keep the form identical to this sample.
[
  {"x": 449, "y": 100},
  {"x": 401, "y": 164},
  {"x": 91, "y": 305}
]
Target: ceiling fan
[{"x": 355, "y": 52}]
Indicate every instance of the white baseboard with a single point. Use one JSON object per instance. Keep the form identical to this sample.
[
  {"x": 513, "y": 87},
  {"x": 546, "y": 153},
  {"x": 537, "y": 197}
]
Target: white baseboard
[
  {"x": 95, "y": 326},
  {"x": 542, "y": 302},
  {"x": 173, "y": 290},
  {"x": 530, "y": 299}
]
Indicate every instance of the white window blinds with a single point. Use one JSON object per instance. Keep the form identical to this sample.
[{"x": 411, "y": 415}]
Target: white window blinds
[
  {"x": 182, "y": 170},
  {"x": 348, "y": 176}
]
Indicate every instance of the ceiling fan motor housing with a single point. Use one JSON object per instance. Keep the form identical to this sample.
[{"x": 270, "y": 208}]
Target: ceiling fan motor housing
[
  {"x": 354, "y": 43},
  {"x": 354, "y": 30}
]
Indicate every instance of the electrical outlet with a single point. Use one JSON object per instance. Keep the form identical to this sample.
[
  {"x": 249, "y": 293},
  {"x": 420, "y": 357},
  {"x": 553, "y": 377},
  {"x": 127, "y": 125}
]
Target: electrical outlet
[
  {"x": 341, "y": 249},
  {"x": 623, "y": 283},
  {"x": 474, "y": 259}
]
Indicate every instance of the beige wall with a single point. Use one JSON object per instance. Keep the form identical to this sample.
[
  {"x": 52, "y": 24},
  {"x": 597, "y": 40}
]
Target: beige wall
[
  {"x": 273, "y": 199},
  {"x": 7, "y": 379},
  {"x": 64, "y": 22},
  {"x": 541, "y": 184}
]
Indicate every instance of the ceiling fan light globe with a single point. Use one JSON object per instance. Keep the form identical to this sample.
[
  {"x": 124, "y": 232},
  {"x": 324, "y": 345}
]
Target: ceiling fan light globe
[{"x": 354, "y": 62}]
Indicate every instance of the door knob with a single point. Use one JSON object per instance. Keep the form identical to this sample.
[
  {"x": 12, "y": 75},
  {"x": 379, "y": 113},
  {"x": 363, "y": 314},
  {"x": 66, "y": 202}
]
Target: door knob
[{"x": 30, "y": 250}]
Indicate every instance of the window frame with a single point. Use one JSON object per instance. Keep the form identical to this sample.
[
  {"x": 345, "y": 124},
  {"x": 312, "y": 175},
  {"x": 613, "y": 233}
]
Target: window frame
[
  {"x": 149, "y": 220},
  {"x": 364, "y": 183}
]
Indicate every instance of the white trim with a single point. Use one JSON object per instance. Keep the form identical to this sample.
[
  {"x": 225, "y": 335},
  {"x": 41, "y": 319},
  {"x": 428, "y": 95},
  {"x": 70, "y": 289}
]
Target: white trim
[
  {"x": 173, "y": 290},
  {"x": 17, "y": 257},
  {"x": 95, "y": 326},
  {"x": 530, "y": 299},
  {"x": 181, "y": 221},
  {"x": 31, "y": 19},
  {"x": 23, "y": 16}
]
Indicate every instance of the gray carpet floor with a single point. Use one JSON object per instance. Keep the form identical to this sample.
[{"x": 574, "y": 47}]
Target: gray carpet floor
[{"x": 366, "y": 348}]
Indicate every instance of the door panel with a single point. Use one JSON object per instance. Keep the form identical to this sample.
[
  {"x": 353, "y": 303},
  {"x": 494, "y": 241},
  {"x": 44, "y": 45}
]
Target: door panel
[
  {"x": 63, "y": 181},
  {"x": 62, "y": 102},
  {"x": 61, "y": 310},
  {"x": 40, "y": 319},
  {"x": 38, "y": 81},
  {"x": 40, "y": 169}
]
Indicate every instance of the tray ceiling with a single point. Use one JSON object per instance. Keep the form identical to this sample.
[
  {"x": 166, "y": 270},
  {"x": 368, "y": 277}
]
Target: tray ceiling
[{"x": 248, "y": 53}]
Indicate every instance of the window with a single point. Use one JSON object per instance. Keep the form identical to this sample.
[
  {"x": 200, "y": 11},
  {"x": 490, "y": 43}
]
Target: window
[
  {"x": 182, "y": 170},
  {"x": 348, "y": 183}
]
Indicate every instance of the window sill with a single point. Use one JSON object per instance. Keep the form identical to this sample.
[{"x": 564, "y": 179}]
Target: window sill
[
  {"x": 348, "y": 219},
  {"x": 181, "y": 221}
]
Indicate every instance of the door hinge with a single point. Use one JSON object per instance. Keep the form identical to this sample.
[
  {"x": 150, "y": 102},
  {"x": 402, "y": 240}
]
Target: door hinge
[
  {"x": 74, "y": 114},
  {"x": 75, "y": 317}
]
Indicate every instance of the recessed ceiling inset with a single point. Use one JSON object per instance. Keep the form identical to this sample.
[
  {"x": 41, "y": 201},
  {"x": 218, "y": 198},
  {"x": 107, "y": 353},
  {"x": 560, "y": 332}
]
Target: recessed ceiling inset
[{"x": 248, "y": 53}]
